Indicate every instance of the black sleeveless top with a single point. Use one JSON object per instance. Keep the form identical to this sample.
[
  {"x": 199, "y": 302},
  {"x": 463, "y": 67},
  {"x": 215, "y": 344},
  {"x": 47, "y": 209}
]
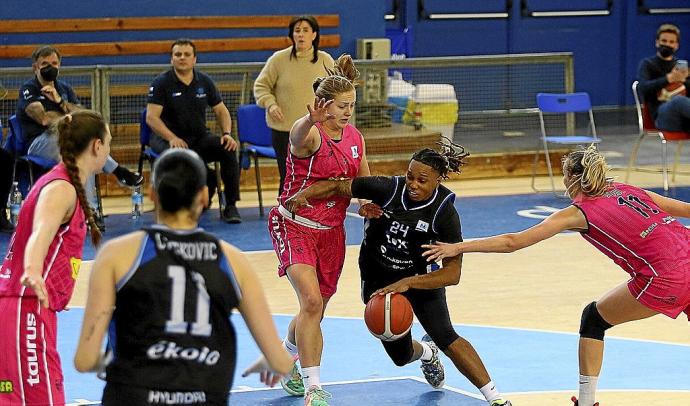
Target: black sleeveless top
[
  {"x": 171, "y": 326},
  {"x": 391, "y": 249}
]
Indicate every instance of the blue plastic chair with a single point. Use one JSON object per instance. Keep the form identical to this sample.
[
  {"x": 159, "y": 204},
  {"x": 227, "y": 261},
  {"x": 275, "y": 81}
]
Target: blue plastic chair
[
  {"x": 16, "y": 144},
  {"x": 562, "y": 103},
  {"x": 255, "y": 141}
]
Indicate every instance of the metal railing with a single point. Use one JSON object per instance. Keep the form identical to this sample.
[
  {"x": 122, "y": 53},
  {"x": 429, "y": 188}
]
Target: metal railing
[{"x": 494, "y": 95}]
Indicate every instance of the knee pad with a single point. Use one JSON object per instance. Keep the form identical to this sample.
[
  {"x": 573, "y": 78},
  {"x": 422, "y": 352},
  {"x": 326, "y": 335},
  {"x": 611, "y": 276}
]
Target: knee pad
[{"x": 592, "y": 325}]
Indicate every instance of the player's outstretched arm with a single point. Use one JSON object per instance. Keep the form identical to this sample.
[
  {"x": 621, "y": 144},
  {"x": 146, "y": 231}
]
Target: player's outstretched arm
[
  {"x": 319, "y": 190},
  {"x": 254, "y": 310},
  {"x": 570, "y": 218},
  {"x": 676, "y": 208}
]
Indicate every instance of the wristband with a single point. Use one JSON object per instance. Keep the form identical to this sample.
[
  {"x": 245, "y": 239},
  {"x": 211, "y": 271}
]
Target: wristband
[{"x": 227, "y": 133}]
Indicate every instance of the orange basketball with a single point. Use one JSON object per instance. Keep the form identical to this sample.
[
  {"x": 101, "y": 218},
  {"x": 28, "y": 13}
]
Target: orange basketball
[{"x": 389, "y": 316}]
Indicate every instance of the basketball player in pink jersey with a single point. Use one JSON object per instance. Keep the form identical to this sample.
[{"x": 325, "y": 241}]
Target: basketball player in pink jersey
[
  {"x": 38, "y": 274},
  {"x": 636, "y": 228},
  {"x": 311, "y": 244}
]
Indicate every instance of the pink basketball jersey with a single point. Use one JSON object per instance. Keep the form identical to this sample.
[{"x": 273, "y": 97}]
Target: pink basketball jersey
[
  {"x": 628, "y": 227},
  {"x": 61, "y": 265},
  {"x": 333, "y": 159}
]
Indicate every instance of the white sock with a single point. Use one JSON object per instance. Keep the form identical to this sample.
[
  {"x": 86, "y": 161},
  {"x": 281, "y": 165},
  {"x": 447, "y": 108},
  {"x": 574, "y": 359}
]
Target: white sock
[
  {"x": 427, "y": 353},
  {"x": 290, "y": 347},
  {"x": 588, "y": 387},
  {"x": 490, "y": 392},
  {"x": 311, "y": 376}
]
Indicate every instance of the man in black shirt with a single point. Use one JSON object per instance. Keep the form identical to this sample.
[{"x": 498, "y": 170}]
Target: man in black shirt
[
  {"x": 45, "y": 98},
  {"x": 176, "y": 112},
  {"x": 664, "y": 83}
]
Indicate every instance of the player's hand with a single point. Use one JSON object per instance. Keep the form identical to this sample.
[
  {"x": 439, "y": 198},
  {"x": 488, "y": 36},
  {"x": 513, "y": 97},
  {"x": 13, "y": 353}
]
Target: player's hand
[
  {"x": 403, "y": 285},
  {"x": 178, "y": 142},
  {"x": 440, "y": 250},
  {"x": 51, "y": 93},
  {"x": 266, "y": 375},
  {"x": 228, "y": 142},
  {"x": 320, "y": 113},
  {"x": 296, "y": 202},
  {"x": 38, "y": 285},
  {"x": 276, "y": 113},
  {"x": 370, "y": 210}
]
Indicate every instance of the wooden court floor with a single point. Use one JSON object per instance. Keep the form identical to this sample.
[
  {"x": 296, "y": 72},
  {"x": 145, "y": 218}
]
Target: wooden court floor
[{"x": 543, "y": 287}]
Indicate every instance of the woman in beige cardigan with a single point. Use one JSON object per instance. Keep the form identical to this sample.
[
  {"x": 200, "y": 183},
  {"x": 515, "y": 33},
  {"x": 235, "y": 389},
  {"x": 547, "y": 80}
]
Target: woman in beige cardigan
[{"x": 284, "y": 86}]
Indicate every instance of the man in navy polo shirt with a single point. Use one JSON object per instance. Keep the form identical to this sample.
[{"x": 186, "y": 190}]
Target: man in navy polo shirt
[
  {"x": 176, "y": 112},
  {"x": 45, "y": 98}
]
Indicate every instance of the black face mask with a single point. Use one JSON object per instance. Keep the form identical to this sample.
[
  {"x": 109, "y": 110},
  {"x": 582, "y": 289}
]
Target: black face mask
[
  {"x": 49, "y": 73},
  {"x": 665, "y": 51}
]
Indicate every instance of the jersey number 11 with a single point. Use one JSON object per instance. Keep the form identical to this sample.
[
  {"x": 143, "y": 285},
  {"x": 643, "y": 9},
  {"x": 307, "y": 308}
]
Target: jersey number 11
[{"x": 176, "y": 324}]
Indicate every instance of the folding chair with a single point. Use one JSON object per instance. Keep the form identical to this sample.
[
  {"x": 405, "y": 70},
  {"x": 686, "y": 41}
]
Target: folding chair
[
  {"x": 148, "y": 154},
  {"x": 646, "y": 127},
  {"x": 16, "y": 145},
  {"x": 255, "y": 141},
  {"x": 562, "y": 103}
]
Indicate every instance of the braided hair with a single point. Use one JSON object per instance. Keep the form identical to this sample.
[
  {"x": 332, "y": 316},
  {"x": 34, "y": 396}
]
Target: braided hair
[
  {"x": 586, "y": 170},
  {"x": 342, "y": 78},
  {"x": 449, "y": 159},
  {"x": 75, "y": 133}
]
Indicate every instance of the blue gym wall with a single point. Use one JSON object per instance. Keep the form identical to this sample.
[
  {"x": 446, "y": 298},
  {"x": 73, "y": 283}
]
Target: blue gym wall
[
  {"x": 358, "y": 19},
  {"x": 607, "y": 49}
]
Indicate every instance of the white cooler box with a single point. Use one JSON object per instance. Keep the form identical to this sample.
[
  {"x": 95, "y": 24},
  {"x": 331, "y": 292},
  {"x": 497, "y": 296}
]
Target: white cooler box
[{"x": 438, "y": 107}]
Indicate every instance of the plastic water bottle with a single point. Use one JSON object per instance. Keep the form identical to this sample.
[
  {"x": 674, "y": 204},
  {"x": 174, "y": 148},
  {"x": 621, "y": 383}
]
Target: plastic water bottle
[
  {"x": 417, "y": 120},
  {"x": 137, "y": 201},
  {"x": 15, "y": 203}
]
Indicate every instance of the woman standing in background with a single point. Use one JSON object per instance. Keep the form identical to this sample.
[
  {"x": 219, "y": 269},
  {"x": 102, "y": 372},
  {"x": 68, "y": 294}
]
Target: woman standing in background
[{"x": 284, "y": 85}]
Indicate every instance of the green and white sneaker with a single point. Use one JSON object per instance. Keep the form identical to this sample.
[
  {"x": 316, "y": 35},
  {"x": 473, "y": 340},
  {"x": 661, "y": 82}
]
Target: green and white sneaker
[
  {"x": 433, "y": 369},
  {"x": 316, "y": 397},
  {"x": 292, "y": 383},
  {"x": 501, "y": 402}
]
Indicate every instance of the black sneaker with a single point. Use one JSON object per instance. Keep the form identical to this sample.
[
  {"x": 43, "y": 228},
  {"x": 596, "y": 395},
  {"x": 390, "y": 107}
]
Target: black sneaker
[
  {"x": 5, "y": 225},
  {"x": 574, "y": 400},
  {"x": 128, "y": 178},
  {"x": 231, "y": 215}
]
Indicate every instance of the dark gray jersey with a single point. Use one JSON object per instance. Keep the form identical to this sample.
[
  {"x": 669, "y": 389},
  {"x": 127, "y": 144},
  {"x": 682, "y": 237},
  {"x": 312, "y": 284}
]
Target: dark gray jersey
[{"x": 171, "y": 328}]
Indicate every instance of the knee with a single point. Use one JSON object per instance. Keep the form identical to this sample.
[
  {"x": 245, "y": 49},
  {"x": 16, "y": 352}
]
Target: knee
[
  {"x": 592, "y": 325},
  {"x": 401, "y": 361},
  {"x": 311, "y": 303}
]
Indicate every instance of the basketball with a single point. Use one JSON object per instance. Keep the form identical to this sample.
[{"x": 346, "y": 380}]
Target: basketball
[{"x": 388, "y": 317}]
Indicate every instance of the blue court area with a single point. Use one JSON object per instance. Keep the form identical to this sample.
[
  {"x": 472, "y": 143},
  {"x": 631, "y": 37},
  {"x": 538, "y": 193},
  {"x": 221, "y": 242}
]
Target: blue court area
[
  {"x": 519, "y": 361},
  {"x": 355, "y": 366},
  {"x": 480, "y": 217}
]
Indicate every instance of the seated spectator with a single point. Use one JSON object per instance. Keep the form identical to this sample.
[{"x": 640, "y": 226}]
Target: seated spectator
[
  {"x": 43, "y": 99},
  {"x": 176, "y": 112},
  {"x": 664, "y": 82}
]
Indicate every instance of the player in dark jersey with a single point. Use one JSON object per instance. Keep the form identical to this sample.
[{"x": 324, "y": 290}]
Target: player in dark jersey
[
  {"x": 166, "y": 294},
  {"x": 417, "y": 210}
]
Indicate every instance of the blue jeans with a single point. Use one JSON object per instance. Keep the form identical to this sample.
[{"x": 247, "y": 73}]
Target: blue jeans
[
  {"x": 46, "y": 146},
  {"x": 674, "y": 115}
]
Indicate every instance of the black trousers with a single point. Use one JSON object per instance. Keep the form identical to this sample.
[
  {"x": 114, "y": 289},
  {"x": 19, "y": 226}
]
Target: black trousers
[
  {"x": 280, "y": 140},
  {"x": 210, "y": 149}
]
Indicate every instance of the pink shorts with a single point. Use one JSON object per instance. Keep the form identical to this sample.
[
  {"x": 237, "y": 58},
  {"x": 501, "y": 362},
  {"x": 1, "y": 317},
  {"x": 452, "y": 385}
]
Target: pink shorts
[
  {"x": 667, "y": 294},
  {"x": 30, "y": 368},
  {"x": 299, "y": 244}
]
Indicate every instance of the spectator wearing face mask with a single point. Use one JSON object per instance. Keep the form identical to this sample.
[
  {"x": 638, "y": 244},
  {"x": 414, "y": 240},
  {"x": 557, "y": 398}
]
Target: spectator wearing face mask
[{"x": 664, "y": 82}]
